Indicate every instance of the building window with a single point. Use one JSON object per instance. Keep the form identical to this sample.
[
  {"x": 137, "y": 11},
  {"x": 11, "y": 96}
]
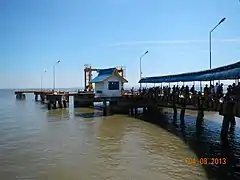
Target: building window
[
  {"x": 99, "y": 92},
  {"x": 113, "y": 85}
]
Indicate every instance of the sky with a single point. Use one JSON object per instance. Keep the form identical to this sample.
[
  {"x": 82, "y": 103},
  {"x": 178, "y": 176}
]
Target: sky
[{"x": 35, "y": 34}]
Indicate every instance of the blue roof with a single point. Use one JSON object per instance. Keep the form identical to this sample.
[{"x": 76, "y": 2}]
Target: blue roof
[
  {"x": 100, "y": 78},
  {"x": 108, "y": 71},
  {"x": 231, "y": 71},
  {"x": 103, "y": 74}
]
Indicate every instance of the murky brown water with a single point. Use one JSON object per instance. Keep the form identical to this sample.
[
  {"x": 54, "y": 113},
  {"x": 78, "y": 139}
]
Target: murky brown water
[{"x": 70, "y": 144}]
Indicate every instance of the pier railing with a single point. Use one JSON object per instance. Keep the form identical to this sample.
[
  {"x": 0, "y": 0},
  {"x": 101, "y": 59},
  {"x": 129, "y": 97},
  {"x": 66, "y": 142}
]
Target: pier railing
[{"x": 193, "y": 101}]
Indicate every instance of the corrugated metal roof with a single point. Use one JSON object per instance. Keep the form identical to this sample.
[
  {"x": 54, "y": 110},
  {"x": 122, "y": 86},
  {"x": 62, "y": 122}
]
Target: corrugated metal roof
[
  {"x": 231, "y": 71},
  {"x": 100, "y": 78},
  {"x": 224, "y": 75},
  {"x": 108, "y": 71},
  {"x": 103, "y": 74}
]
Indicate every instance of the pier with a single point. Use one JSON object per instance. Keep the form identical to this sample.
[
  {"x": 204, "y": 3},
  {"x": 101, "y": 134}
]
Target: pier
[
  {"x": 58, "y": 99},
  {"x": 211, "y": 99},
  {"x": 152, "y": 99}
]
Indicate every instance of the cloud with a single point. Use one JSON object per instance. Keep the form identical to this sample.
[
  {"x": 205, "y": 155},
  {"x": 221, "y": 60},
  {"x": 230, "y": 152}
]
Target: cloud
[
  {"x": 159, "y": 42},
  {"x": 234, "y": 40}
]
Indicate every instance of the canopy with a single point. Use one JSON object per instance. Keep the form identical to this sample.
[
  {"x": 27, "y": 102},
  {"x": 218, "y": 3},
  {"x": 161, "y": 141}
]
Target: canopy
[{"x": 231, "y": 71}]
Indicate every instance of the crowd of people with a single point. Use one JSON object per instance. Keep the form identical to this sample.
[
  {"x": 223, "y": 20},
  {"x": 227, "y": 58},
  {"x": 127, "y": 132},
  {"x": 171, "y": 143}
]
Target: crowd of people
[{"x": 210, "y": 93}]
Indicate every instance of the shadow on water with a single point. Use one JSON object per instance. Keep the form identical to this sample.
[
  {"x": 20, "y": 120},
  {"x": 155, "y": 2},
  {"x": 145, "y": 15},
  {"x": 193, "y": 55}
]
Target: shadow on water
[
  {"x": 57, "y": 115},
  {"x": 203, "y": 138},
  {"x": 90, "y": 112},
  {"x": 67, "y": 113}
]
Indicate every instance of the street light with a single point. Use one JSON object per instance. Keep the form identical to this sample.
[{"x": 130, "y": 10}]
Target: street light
[
  {"x": 54, "y": 74},
  {"x": 42, "y": 77},
  {"x": 141, "y": 67},
  {"x": 210, "y": 42}
]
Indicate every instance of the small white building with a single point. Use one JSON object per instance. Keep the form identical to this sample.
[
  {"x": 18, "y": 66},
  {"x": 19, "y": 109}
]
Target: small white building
[{"x": 108, "y": 83}]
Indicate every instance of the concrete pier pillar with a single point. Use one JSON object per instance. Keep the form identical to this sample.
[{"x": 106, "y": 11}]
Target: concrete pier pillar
[
  {"x": 131, "y": 111},
  {"x": 36, "y": 97},
  {"x": 174, "y": 115},
  {"x": 144, "y": 110},
  {"x": 65, "y": 97},
  {"x": 60, "y": 105},
  {"x": 42, "y": 97},
  {"x": 150, "y": 110},
  {"x": 182, "y": 112},
  {"x": 135, "y": 111},
  {"x": 200, "y": 102},
  {"x": 49, "y": 105},
  {"x": 20, "y": 96},
  {"x": 225, "y": 127},
  {"x": 232, "y": 120},
  {"x": 104, "y": 108},
  {"x": 174, "y": 106},
  {"x": 174, "y": 111},
  {"x": 54, "y": 104},
  {"x": 112, "y": 107},
  {"x": 64, "y": 103},
  {"x": 200, "y": 114}
]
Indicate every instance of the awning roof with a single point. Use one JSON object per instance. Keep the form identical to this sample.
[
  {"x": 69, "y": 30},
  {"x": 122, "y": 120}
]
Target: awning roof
[{"x": 231, "y": 71}]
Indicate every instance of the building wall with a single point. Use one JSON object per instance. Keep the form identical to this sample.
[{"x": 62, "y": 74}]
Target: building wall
[
  {"x": 99, "y": 87},
  {"x": 104, "y": 88}
]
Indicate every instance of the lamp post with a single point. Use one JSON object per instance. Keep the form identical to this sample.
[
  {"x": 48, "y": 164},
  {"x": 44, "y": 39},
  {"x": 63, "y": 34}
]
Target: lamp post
[
  {"x": 210, "y": 43},
  {"x": 54, "y": 74},
  {"x": 141, "y": 67},
  {"x": 42, "y": 78}
]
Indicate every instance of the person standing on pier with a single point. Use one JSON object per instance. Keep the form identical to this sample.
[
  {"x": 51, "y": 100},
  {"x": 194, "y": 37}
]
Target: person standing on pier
[
  {"x": 220, "y": 91},
  {"x": 228, "y": 114},
  {"x": 206, "y": 94},
  {"x": 192, "y": 90}
]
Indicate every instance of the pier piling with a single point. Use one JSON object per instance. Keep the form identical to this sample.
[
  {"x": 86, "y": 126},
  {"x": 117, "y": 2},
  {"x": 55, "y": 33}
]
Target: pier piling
[
  {"x": 182, "y": 112},
  {"x": 131, "y": 111},
  {"x": 42, "y": 97},
  {"x": 144, "y": 110},
  {"x": 135, "y": 111},
  {"x": 36, "y": 96},
  {"x": 60, "y": 104},
  {"x": 225, "y": 127},
  {"x": 20, "y": 96},
  {"x": 200, "y": 105},
  {"x": 64, "y": 103},
  {"x": 54, "y": 104},
  {"x": 56, "y": 101},
  {"x": 104, "y": 107},
  {"x": 174, "y": 107}
]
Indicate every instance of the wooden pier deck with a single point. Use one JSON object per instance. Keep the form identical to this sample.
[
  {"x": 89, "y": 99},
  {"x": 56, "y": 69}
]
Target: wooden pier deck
[
  {"x": 50, "y": 92},
  {"x": 37, "y": 91}
]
